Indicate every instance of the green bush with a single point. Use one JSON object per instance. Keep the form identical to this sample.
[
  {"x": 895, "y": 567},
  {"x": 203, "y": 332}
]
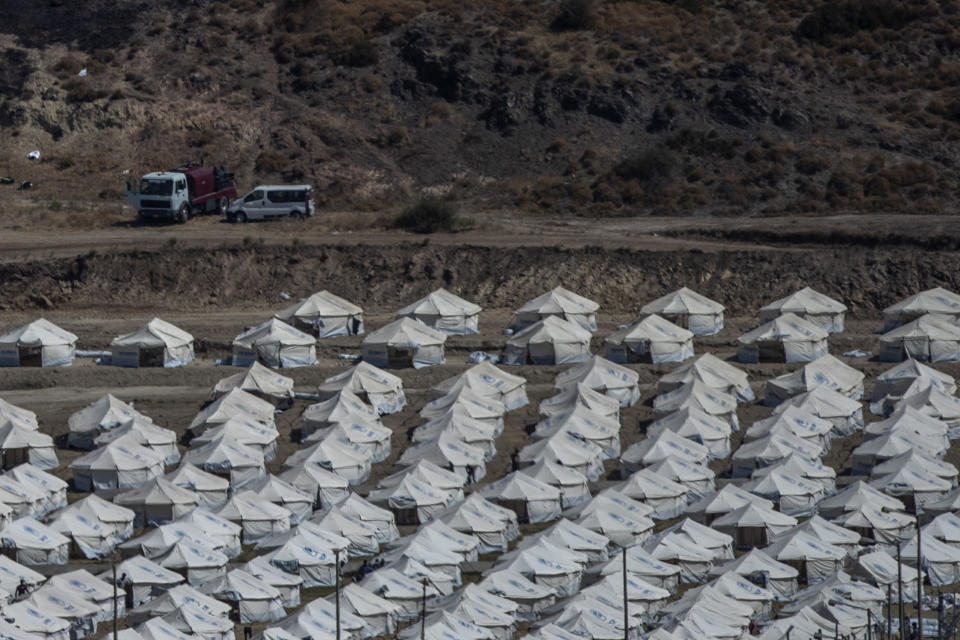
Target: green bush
[
  {"x": 429, "y": 215},
  {"x": 574, "y": 15},
  {"x": 847, "y": 18},
  {"x": 355, "y": 53},
  {"x": 649, "y": 166}
]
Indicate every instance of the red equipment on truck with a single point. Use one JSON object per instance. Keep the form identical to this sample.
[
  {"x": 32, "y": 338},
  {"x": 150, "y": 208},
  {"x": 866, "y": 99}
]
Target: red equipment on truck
[{"x": 182, "y": 192}]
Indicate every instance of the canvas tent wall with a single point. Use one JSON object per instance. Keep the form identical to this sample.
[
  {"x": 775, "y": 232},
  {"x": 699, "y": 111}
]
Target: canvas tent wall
[
  {"x": 610, "y": 378},
  {"x": 828, "y": 371},
  {"x": 560, "y": 303},
  {"x": 19, "y": 446},
  {"x": 119, "y": 465},
  {"x": 651, "y": 339},
  {"x": 236, "y": 402},
  {"x": 550, "y": 341},
  {"x": 211, "y": 490},
  {"x": 813, "y": 306},
  {"x": 325, "y": 314},
  {"x": 18, "y": 416},
  {"x": 106, "y": 413},
  {"x": 487, "y": 381},
  {"x": 383, "y": 390},
  {"x": 54, "y": 488},
  {"x": 158, "y": 501},
  {"x": 687, "y": 308},
  {"x": 156, "y": 344},
  {"x": 929, "y": 338},
  {"x": 714, "y": 373},
  {"x": 38, "y": 344},
  {"x": 445, "y": 312},
  {"x": 404, "y": 343},
  {"x": 262, "y": 382},
  {"x": 275, "y": 344},
  {"x": 787, "y": 338},
  {"x": 891, "y": 385},
  {"x": 937, "y": 300},
  {"x": 31, "y": 543},
  {"x": 147, "y": 435}
]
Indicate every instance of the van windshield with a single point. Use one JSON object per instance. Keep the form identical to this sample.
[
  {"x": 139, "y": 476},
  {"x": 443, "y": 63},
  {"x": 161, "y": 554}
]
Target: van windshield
[{"x": 156, "y": 187}]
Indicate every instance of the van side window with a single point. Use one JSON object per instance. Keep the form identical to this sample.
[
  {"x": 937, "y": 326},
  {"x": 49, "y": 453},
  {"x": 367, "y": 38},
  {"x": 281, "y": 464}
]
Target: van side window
[
  {"x": 181, "y": 185},
  {"x": 254, "y": 196}
]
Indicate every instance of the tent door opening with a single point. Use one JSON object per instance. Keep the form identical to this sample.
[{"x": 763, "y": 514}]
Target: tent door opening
[
  {"x": 14, "y": 457},
  {"x": 399, "y": 358},
  {"x": 31, "y": 356},
  {"x": 151, "y": 357}
]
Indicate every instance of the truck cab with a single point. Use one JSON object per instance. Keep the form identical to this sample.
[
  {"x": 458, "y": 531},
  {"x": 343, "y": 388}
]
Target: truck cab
[{"x": 181, "y": 193}]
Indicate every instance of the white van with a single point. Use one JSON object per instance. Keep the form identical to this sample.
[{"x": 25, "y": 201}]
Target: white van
[{"x": 273, "y": 201}]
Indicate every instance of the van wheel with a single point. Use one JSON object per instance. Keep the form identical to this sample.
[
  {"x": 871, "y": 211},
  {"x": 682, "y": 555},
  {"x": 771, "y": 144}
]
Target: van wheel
[
  {"x": 222, "y": 206},
  {"x": 296, "y": 215},
  {"x": 183, "y": 214},
  {"x": 241, "y": 216}
]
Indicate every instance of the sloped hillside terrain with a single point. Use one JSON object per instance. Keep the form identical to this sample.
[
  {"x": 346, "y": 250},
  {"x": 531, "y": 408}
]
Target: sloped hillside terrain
[{"x": 615, "y": 108}]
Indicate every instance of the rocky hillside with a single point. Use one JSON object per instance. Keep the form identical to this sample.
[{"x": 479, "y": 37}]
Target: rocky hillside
[{"x": 680, "y": 107}]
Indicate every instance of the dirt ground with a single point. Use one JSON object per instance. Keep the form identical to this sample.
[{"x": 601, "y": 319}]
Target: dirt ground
[{"x": 120, "y": 284}]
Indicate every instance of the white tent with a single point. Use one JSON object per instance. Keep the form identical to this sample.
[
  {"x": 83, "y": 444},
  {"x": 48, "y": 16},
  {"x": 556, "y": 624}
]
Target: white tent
[
  {"x": 144, "y": 578},
  {"x": 13, "y": 573},
  {"x": 698, "y": 426},
  {"x": 118, "y": 465},
  {"x": 381, "y": 519},
  {"x": 827, "y": 371},
  {"x": 810, "y": 469},
  {"x": 580, "y": 394},
  {"x": 853, "y": 496},
  {"x": 606, "y": 515},
  {"x": 229, "y": 459},
  {"x": 880, "y": 569},
  {"x": 929, "y": 338},
  {"x": 492, "y": 533},
  {"x": 668, "y": 498},
  {"x": 260, "y": 381},
  {"x": 404, "y": 343},
  {"x": 697, "y": 395},
  {"x": 235, "y": 403},
  {"x": 602, "y": 375},
  {"x": 547, "y": 566},
  {"x": 83, "y": 584},
  {"x": 585, "y": 424},
  {"x": 717, "y": 543},
  {"x": 531, "y": 598},
  {"x": 288, "y": 584},
  {"x": 659, "y": 447},
  {"x": 698, "y": 478},
  {"x": 450, "y": 452},
  {"x": 34, "y": 543},
  {"x": 693, "y": 560},
  {"x": 532, "y": 500},
  {"x": 934, "y": 403},
  {"x": 443, "y": 574},
  {"x": 567, "y": 534},
  {"x": 727, "y": 499},
  {"x": 930, "y": 433},
  {"x": 159, "y": 540},
  {"x": 342, "y": 406},
  {"x": 940, "y": 560},
  {"x": 158, "y": 501},
  {"x": 458, "y": 424},
  {"x": 569, "y": 450},
  {"x": 893, "y": 444},
  {"x": 813, "y": 306},
  {"x": 396, "y": 588},
  {"x": 874, "y": 522},
  {"x": 814, "y": 559},
  {"x": 493, "y": 613},
  {"x": 53, "y": 487},
  {"x": 445, "y": 312},
  {"x": 219, "y": 530},
  {"x": 198, "y": 563},
  {"x": 38, "y": 344},
  {"x": 413, "y": 501},
  {"x": 258, "y": 516},
  {"x": 549, "y": 341},
  {"x": 760, "y": 568},
  {"x": 33, "y": 623},
  {"x": 19, "y": 446},
  {"x": 145, "y": 434},
  {"x": 573, "y": 485},
  {"x": 104, "y": 414},
  {"x": 714, "y": 373},
  {"x": 242, "y": 430},
  {"x": 275, "y": 344},
  {"x": 487, "y": 381},
  {"x": 160, "y": 629},
  {"x": 211, "y": 490},
  {"x": 254, "y": 599},
  {"x": 156, "y": 344},
  {"x": 467, "y": 402},
  {"x": 326, "y": 487},
  {"x": 937, "y": 300},
  {"x": 193, "y": 621},
  {"x": 379, "y": 615},
  {"x": 24, "y": 500},
  {"x": 348, "y": 460},
  {"x": 914, "y": 486},
  {"x": 845, "y": 414},
  {"x": 788, "y": 338},
  {"x": 94, "y": 525},
  {"x": 384, "y": 391},
  {"x": 431, "y": 474},
  {"x": 651, "y": 339},
  {"x": 18, "y": 416},
  {"x": 327, "y": 314},
  {"x": 560, "y": 303},
  {"x": 793, "y": 495},
  {"x": 362, "y": 536},
  {"x": 770, "y": 449},
  {"x": 180, "y": 595},
  {"x": 370, "y": 436},
  {"x": 689, "y": 309},
  {"x": 795, "y": 422},
  {"x": 892, "y": 384}
]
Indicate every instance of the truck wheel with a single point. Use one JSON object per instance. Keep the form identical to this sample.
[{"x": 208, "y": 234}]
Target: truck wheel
[
  {"x": 222, "y": 206},
  {"x": 183, "y": 214},
  {"x": 241, "y": 216}
]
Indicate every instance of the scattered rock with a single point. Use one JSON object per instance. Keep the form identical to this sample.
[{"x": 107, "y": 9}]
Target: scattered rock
[{"x": 740, "y": 107}]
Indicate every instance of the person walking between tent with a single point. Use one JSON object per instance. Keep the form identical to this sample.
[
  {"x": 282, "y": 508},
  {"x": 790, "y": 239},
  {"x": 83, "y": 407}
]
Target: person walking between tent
[
  {"x": 515, "y": 460},
  {"x": 471, "y": 474}
]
